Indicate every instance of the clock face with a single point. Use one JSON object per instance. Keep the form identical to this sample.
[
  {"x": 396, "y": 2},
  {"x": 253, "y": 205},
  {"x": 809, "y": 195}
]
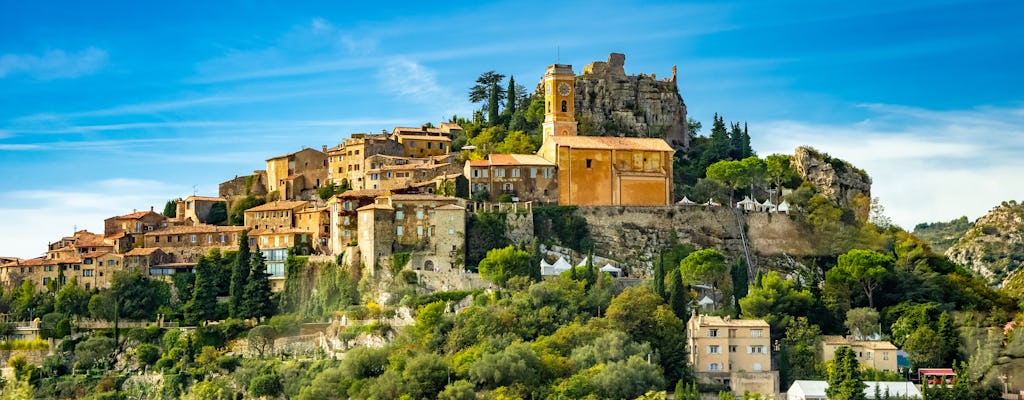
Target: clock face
[{"x": 563, "y": 89}]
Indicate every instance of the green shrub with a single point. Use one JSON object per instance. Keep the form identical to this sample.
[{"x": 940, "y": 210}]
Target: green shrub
[
  {"x": 265, "y": 385},
  {"x": 147, "y": 354}
]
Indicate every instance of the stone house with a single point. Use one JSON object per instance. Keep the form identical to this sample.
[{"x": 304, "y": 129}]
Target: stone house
[
  {"x": 143, "y": 258},
  {"x": 524, "y": 177},
  {"x": 196, "y": 209},
  {"x": 97, "y": 269},
  {"x": 317, "y": 222},
  {"x": 347, "y": 161},
  {"x": 430, "y": 229},
  {"x": 392, "y": 173},
  {"x": 600, "y": 170},
  {"x": 133, "y": 225},
  {"x": 875, "y": 354},
  {"x": 344, "y": 221},
  {"x": 276, "y": 214},
  {"x": 186, "y": 243},
  {"x": 425, "y": 142},
  {"x": 732, "y": 352},
  {"x": 293, "y": 173},
  {"x": 274, "y": 243}
]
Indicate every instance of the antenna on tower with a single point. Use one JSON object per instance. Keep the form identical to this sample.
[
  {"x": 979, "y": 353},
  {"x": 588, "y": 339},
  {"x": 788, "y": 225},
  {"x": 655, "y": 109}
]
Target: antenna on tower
[{"x": 195, "y": 189}]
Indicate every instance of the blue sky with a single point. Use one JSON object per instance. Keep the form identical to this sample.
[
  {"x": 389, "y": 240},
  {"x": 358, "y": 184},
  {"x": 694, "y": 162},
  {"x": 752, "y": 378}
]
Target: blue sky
[{"x": 114, "y": 106}]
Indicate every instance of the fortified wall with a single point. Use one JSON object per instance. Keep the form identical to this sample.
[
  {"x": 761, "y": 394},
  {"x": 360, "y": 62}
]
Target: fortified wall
[{"x": 635, "y": 235}]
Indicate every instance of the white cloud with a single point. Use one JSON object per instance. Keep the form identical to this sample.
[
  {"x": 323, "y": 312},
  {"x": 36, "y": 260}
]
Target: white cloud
[
  {"x": 34, "y": 218},
  {"x": 413, "y": 81},
  {"x": 54, "y": 64},
  {"x": 926, "y": 165}
]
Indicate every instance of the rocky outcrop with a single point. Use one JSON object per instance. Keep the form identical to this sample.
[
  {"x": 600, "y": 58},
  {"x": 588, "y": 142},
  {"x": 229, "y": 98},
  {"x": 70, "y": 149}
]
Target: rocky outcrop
[
  {"x": 611, "y": 103},
  {"x": 994, "y": 246},
  {"x": 634, "y": 235},
  {"x": 833, "y": 178}
]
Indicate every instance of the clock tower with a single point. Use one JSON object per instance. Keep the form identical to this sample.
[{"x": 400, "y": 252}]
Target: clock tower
[{"x": 560, "y": 110}]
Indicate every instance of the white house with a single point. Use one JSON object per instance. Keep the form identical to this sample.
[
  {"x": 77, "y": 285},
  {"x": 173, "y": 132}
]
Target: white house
[{"x": 815, "y": 390}]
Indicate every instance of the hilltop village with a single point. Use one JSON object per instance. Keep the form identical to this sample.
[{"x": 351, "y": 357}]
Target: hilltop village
[{"x": 622, "y": 256}]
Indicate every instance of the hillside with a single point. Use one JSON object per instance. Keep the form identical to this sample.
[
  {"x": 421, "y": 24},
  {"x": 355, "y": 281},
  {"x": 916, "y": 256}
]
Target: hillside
[
  {"x": 942, "y": 235},
  {"x": 994, "y": 246}
]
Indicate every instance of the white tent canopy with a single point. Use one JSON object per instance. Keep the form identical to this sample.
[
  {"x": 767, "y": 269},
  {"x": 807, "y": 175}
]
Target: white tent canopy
[
  {"x": 616, "y": 272},
  {"x": 747, "y": 204},
  {"x": 784, "y": 207},
  {"x": 815, "y": 390},
  {"x": 685, "y": 202}
]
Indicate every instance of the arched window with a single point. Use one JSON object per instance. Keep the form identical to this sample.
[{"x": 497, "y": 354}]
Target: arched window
[
  {"x": 549, "y": 106},
  {"x": 564, "y": 107}
]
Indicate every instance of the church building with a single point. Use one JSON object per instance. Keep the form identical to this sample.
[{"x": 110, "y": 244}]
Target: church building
[{"x": 600, "y": 170}]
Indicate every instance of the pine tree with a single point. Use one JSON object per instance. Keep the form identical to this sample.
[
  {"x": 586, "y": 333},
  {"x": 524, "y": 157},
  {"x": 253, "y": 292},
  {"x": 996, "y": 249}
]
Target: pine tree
[
  {"x": 203, "y": 304},
  {"x": 239, "y": 274},
  {"x": 844, "y": 379},
  {"x": 949, "y": 337},
  {"x": 510, "y": 101},
  {"x": 256, "y": 302},
  {"x": 492, "y": 105}
]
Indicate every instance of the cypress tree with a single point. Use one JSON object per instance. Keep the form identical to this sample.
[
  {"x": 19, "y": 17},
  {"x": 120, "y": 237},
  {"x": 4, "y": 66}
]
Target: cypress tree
[
  {"x": 203, "y": 304},
  {"x": 659, "y": 277},
  {"x": 239, "y": 274},
  {"x": 256, "y": 302},
  {"x": 679, "y": 296},
  {"x": 510, "y": 101},
  {"x": 492, "y": 105},
  {"x": 949, "y": 337}
]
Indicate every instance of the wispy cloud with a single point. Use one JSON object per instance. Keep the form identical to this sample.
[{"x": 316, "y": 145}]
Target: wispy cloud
[
  {"x": 412, "y": 80},
  {"x": 926, "y": 165},
  {"x": 53, "y": 64}
]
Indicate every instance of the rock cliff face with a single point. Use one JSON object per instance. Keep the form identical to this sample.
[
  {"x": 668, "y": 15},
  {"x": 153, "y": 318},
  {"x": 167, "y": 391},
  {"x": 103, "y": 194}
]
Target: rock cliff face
[
  {"x": 994, "y": 246},
  {"x": 611, "y": 103},
  {"x": 835, "y": 179}
]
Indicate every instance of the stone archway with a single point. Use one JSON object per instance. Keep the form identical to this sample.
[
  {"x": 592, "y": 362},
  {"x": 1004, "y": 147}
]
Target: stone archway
[{"x": 428, "y": 265}]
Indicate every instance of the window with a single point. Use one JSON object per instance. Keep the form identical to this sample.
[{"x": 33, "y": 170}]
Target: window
[
  {"x": 714, "y": 367},
  {"x": 732, "y": 348},
  {"x": 87, "y": 272},
  {"x": 399, "y": 230},
  {"x": 46, "y": 281},
  {"x": 712, "y": 332},
  {"x": 209, "y": 238},
  {"x": 757, "y": 366},
  {"x": 564, "y": 107},
  {"x": 111, "y": 263},
  {"x": 223, "y": 238},
  {"x": 348, "y": 205},
  {"x": 869, "y": 355},
  {"x": 755, "y": 350},
  {"x": 419, "y": 214},
  {"x": 756, "y": 333},
  {"x": 499, "y": 173},
  {"x": 515, "y": 172},
  {"x": 419, "y": 230},
  {"x": 440, "y": 146},
  {"x": 275, "y": 270},
  {"x": 885, "y": 355},
  {"x": 476, "y": 173},
  {"x": 588, "y": 162},
  {"x": 345, "y": 221},
  {"x": 451, "y": 231},
  {"x": 533, "y": 172},
  {"x": 399, "y": 215},
  {"x": 547, "y": 173},
  {"x": 430, "y": 145},
  {"x": 88, "y": 261},
  {"x": 157, "y": 239},
  {"x": 714, "y": 349}
]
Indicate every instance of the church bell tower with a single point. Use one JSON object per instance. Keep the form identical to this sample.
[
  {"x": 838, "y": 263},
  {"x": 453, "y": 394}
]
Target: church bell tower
[{"x": 560, "y": 110}]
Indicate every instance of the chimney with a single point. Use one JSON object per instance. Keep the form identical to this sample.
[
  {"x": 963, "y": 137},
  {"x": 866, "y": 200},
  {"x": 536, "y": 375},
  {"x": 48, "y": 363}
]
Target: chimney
[
  {"x": 135, "y": 210},
  {"x": 324, "y": 148},
  {"x": 150, "y": 208}
]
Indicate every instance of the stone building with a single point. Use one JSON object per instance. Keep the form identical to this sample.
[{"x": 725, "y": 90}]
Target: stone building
[
  {"x": 732, "y": 352},
  {"x": 875, "y": 354},
  {"x": 391, "y": 173},
  {"x": 293, "y": 173},
  {"x": 142, "y": 259},
  {"x": 429, "y": 228},
  {"x": 523, "y": 177},
  {"x": 344, "y": 221},
  {"x": 317, "y": 222},
  {"x": 186, "y": 243},
  {"x": 132, "y": 226},
  {"x": 425, "y": 142},
  {"x": 600, "y": 170},
  {"x": 196, "y": 209},
  {"x": 347, "y": 161},
  {"x": 276, "y": 214},
  {"x": 274, "y": 243}
]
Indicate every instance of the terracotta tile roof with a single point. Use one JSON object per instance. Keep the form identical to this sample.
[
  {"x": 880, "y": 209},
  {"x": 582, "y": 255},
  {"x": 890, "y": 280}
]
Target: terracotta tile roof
[
  {"x": 426, "y": 138},
  {"x": 849, "y": 341},
  {"x": 421, "y": 197},
  {"x": 91, "y": 240},
  {"x": 362, "y": 193},
  {"x": 205, "y": 198},
  {"x": 609, "y": 142},
  {"x": 313, "y": 210},
  {"x": 36, "y": 261},
  {"x": 279, "y": 205},
  {"x": 518, "y": 159},
  {"x": 711, "y": 320},
  {"x": 143, "y": 251},
  {"x": 293, "y": 153},
  {"x": 451, "y": 207},
  {"x": 201, "y": 228},
  {"x": 94, "y": 254},
  {"x": 136, "y": 215},
  {"x": 479, "y": 163},
  {"x": 116, "y": 236},
  {"x": 277, "y": 231},
  {"x": 375, "y": 206}
]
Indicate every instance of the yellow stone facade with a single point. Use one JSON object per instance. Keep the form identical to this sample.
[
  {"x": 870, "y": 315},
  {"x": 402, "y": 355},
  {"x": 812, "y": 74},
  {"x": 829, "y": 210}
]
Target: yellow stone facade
[{"x": 600, "y": 170}]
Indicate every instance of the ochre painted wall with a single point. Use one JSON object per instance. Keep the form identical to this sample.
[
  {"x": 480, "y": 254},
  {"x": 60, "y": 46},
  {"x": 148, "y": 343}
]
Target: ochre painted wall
[
  {"x": 588, "y": 186},
  {"x": 643, "y": 191}
]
